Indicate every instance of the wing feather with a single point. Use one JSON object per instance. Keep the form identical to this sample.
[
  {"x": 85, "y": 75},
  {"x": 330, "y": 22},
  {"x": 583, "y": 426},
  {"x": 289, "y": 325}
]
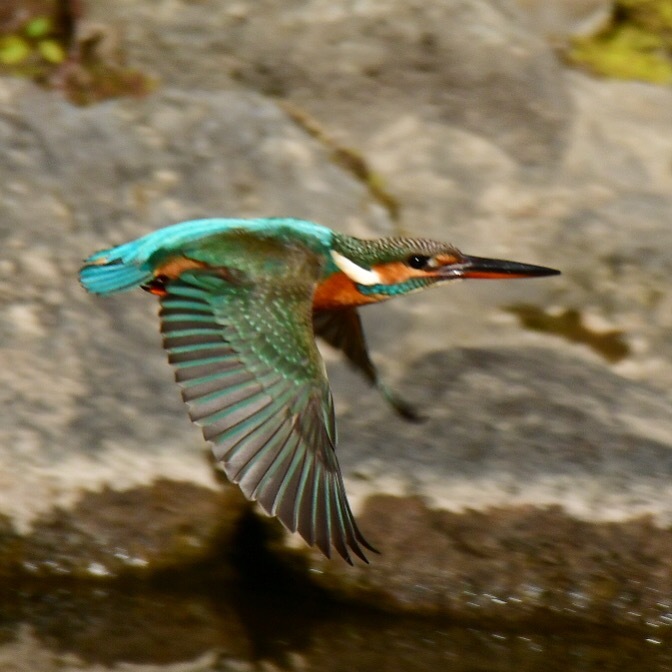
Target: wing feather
[
  {"x": 342, "y": 329},
  {"x": 252, "y": 378}
]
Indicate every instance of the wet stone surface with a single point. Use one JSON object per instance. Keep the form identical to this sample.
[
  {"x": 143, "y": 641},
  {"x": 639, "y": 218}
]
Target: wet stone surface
[
  {"x": 519, "y": 565},
  {"x": 136, "y": 532},
  {"x": 217, "y": 623}
]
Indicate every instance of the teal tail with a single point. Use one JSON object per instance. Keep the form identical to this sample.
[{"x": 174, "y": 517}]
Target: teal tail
[
  {"x": 128, "y": 266},
  {"x": 117, "y": 269},
  {"x": 111, "y": 274}
]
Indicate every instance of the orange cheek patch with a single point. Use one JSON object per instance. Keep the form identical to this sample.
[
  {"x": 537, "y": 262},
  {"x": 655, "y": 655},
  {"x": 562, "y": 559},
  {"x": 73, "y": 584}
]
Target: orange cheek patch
[{"x": 393, "y": 273}]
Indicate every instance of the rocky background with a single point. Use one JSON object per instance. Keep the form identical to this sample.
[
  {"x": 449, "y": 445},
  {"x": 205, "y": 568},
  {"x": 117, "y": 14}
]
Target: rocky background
[{"x": 541, "y": 482}]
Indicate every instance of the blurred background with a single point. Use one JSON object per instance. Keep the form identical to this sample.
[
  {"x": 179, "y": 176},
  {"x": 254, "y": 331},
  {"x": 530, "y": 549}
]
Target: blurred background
[{"x": 526, "y": 523}]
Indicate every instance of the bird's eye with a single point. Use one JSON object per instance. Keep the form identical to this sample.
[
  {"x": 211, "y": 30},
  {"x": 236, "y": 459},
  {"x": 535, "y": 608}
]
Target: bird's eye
[{"x": 418, "y": 261}]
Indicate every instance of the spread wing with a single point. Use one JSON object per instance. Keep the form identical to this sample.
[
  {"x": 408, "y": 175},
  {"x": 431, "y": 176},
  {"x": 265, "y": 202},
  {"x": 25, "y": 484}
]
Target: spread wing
[
  {"x": 253, "y": 379},
  {"x": 342, "y": 329}
]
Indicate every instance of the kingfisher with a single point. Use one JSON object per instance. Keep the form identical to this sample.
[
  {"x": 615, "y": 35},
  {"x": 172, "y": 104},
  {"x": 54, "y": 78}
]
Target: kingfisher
[{"x": 241, "y": 302}]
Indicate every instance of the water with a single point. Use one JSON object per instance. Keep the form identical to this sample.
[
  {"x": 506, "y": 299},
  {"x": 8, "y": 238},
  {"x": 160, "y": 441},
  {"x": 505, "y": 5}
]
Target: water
[{"x": 264, "y": 617}]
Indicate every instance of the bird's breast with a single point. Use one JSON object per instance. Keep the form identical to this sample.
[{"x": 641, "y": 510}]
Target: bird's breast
[{"x": 339, "y": 291}]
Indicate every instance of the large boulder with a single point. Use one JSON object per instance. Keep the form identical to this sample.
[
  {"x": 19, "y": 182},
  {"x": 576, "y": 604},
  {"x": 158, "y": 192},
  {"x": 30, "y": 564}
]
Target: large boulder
[{"x": 456, "y": 122}]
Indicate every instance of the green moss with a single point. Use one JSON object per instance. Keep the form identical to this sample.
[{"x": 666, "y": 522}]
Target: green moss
[
  {"x": 51, "y": 51},
  {"x": 33, "y": 50},
  {"x": 569, "y": 324},
  {"x": 39, "y": 27},
  {"x": 637, "y": 43},
  {"x": 654, "y": 14},
  {"x": 13, "y": 50},
  {"x": 41, "y": 42}
]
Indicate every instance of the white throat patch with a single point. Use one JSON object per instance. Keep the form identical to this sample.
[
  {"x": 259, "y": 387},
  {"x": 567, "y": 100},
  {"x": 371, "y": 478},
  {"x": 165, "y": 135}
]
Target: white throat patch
[{"x": 362, "y": 276}]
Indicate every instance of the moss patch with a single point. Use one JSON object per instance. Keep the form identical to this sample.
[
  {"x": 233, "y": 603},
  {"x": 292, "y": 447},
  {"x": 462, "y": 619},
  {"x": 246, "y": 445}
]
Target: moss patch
[
  {"x": 48, "y": 42},
  {"x": 636, "y": 44},
  {"x": 569, "y": 324}
]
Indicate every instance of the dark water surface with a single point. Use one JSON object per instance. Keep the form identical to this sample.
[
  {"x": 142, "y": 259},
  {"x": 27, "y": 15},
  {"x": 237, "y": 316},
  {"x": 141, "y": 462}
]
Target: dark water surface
[{"x": 228, "y": 619}]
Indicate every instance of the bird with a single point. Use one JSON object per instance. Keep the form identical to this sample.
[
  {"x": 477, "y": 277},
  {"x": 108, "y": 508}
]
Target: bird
[{"x": 241, "y": 304}]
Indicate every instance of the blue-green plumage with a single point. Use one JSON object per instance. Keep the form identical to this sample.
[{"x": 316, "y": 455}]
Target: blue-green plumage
[
  {"x": 241, "y": 304},
  {"x": 131, "y": 264}
]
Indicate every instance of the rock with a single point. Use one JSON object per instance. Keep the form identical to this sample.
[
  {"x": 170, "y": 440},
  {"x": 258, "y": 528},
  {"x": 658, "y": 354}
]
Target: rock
[
  {"x": 480, "y": 136},
  {"x": 470, "y": 64},
  {"x": 565, "y": 19}
]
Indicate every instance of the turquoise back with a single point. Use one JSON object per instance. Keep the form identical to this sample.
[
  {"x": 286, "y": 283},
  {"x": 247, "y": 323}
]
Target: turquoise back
[{"x": 130, "y": 265}]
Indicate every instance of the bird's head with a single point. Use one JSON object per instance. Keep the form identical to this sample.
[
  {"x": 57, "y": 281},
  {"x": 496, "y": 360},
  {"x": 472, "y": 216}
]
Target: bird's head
[{"x": 369, "y": 271}]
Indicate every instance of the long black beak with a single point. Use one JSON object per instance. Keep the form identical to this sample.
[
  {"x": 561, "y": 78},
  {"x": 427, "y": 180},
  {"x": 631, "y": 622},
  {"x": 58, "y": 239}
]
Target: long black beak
[{"x": 497, "y": 269}]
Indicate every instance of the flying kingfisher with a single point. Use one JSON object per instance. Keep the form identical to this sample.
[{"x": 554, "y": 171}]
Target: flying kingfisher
[{"x": 241, "y": 302}]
